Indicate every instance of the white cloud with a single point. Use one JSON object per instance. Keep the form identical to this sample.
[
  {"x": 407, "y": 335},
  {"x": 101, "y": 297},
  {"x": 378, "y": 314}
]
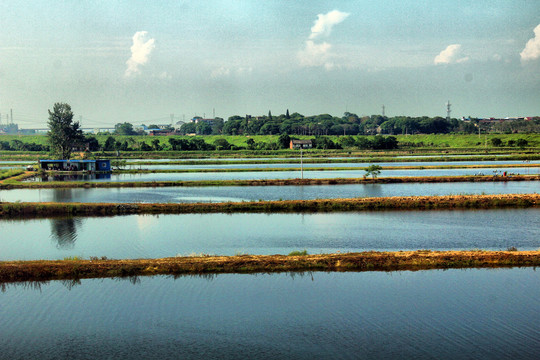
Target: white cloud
[
  {"x": 318, "y": 54},
  {"x": 314, "y": 54},
  {"x": 532, "y": 48},
  {"x": 140, "y": 51},
  {"x": 450, "y": 55},
  {"x": 325, "y": 22}
]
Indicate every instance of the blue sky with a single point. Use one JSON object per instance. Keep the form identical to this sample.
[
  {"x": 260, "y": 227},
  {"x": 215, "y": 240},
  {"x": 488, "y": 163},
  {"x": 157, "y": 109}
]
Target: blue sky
[{"x": 140, "y": 61}]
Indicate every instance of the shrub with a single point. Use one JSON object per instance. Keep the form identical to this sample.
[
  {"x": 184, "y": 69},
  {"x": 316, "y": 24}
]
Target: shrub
[{"x": 298, "y": 253}]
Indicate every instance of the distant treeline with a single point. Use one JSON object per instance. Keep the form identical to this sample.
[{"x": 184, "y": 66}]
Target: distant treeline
[
  {"x": 352, "y": 124},
  {"x": 281, "y": 142},
  {"x": 202, "y": 143},
  {"x": 18, "y": 145}
]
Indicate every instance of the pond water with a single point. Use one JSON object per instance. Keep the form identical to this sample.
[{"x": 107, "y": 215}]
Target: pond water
[
  {"x": 253, "y": 175},
  {"x": 255, "y": 193},
  {"x": 296, "y": 164},
  {"x": 152, "y": 236},
  {"x": 453, "y": 314}
]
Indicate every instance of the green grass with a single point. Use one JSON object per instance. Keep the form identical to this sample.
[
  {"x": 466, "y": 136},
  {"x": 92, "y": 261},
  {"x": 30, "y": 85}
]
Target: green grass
[
  {"x": 5, "y": 174},
  {"x": 298, "y": 253},
  {"x": 429, "y": 140}
]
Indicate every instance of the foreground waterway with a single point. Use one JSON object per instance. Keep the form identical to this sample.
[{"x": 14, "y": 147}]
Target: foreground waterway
[
  {"x": 453, "y": 314},
  {"x": 146, "y": 236},
  {"x": 255, "y": 193}
]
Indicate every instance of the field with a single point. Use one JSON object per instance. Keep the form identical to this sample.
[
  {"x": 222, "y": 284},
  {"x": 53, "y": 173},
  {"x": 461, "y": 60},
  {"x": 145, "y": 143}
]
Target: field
[{"x": 424, "y": 141}]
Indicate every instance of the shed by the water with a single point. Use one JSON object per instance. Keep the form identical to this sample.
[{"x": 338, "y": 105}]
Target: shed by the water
[{"x": 76, "y": 165}]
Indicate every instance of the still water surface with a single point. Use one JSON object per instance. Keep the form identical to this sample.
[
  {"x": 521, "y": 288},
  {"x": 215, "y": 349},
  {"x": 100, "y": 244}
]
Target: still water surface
[
  {"x": 453, "y": 314},
  {"x": 255, "y": 193},
  {"x": 296, "y": 164},
  {"x": 287, "y": 174},
  {"x": 151, "y": 236}
]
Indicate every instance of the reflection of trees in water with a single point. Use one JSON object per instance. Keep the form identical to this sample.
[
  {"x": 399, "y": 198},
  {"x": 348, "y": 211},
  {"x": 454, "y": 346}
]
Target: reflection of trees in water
[
  {"x": 64, "y": 231},
  {"x": 70, "y": 283},
  {"x": 62, "y": 195}
]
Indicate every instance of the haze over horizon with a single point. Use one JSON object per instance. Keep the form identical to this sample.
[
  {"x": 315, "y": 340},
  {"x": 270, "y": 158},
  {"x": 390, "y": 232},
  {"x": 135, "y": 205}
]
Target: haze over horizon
[{"x": 139, "y": 62}]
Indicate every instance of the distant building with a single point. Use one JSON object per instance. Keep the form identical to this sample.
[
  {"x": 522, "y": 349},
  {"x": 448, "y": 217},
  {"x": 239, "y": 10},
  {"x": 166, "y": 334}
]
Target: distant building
[
  {"x": 76, "y": 165},
  {"x": 198, "y": 119},
  {"x": 297, "y": 144}
]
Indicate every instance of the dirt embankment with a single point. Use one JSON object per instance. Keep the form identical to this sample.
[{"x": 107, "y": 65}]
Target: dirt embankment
[
  {"x": 12, "y": 271},
  {"x": 10, "y": 210}
]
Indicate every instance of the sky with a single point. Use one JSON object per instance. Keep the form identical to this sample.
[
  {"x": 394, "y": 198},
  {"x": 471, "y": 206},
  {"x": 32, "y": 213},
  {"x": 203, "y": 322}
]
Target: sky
[{"x": 140, "y": 61}]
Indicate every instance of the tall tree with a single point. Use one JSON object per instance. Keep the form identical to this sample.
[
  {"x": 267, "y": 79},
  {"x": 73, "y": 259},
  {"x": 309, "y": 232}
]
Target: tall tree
[{"x": 63, "y": 132}]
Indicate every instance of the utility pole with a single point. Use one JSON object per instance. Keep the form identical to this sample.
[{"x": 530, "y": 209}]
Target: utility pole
[
  {"x": 301, "y": 161},
  {"x": 383, "y": 107}
]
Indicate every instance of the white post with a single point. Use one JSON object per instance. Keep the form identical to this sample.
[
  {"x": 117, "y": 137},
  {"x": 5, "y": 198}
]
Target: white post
[{"x": 301, "y": 161}]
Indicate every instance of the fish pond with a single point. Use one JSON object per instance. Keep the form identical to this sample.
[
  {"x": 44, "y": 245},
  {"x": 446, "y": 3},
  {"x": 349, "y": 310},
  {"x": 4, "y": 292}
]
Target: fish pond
[
  {"x": 152, "y": 236},
  {"x": 453, "y": 314},
  {"x": 286, "y": 174},
  {"x": 255, "y": 193},
  {"x": 296, "y": 164}
]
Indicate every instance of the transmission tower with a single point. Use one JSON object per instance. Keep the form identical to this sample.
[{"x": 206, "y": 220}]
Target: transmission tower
[{"x": 448, "y": 111}]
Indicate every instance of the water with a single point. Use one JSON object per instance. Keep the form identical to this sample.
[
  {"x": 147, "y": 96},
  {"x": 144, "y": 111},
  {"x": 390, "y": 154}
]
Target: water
[
  {"x": 453, "y": 314},
  {"x": 255, "y": 193},
  {"x": 314, "y": 174},
  {"x": 152, "y": 236},
  {"x": 296, "y": 164}
]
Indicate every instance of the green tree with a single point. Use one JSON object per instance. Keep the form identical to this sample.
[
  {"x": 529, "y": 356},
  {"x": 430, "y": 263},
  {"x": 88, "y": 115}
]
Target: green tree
[
  {"x": 124, "y": 129},
  {"x": 188, "y": 128},
  {"x": 109, "y": 144},
  {"x": 284, "y": 141},
  {"x": 222, "y": 144},
  {"x": 63, "y": 133},
  {"x": 496, "y": 142},
  {"x": 373, "y": 170},
  {"x": 203, "y": 128},
  {"x": 522, "y": 143},
  {"x": 250, "y": 143}
]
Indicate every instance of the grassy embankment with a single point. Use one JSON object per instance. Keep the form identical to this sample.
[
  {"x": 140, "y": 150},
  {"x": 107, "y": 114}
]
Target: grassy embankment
[
  {"x": 44, "y": 270},
  {"x": 10, "y": 173},
  {"x": 16, "y": 181},
  {"x": 10, "y": 210}
]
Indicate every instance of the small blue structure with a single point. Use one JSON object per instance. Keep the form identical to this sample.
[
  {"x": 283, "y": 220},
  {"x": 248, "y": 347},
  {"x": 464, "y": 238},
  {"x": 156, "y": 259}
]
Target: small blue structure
[{"x": 76, "y": 165}]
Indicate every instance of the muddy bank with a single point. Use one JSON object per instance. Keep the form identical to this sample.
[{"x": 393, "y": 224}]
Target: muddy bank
[
  {"x": 12, "y": 271},
  {"x": 8, "y": 210}
]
